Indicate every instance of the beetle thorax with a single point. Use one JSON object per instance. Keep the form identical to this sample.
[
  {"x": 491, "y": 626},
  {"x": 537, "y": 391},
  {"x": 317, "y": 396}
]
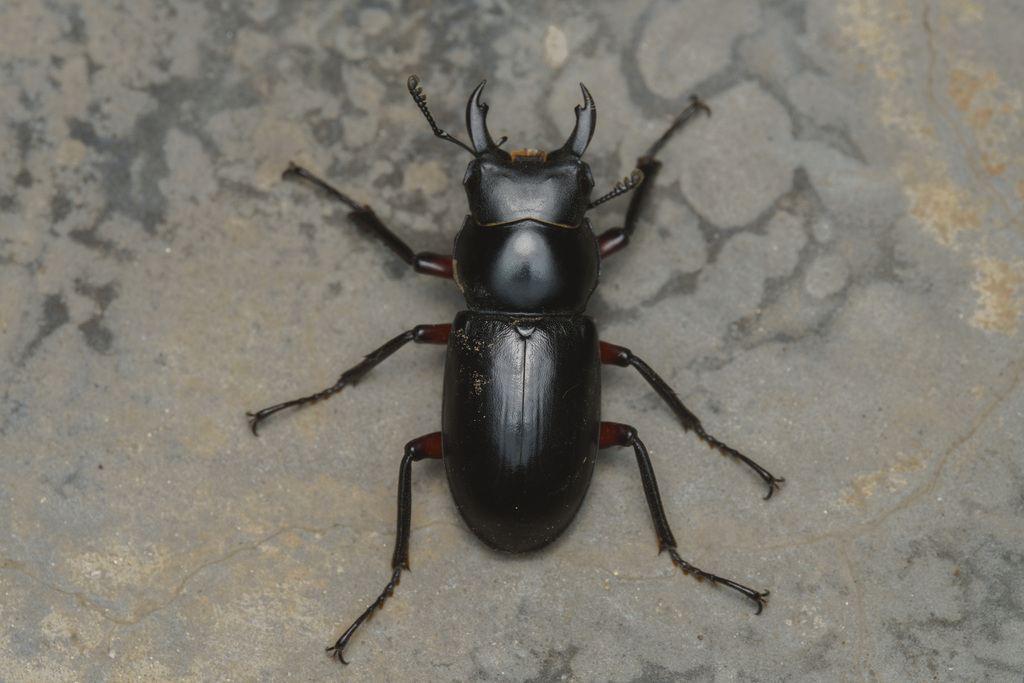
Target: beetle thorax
[{"x": 504, "y": 188}]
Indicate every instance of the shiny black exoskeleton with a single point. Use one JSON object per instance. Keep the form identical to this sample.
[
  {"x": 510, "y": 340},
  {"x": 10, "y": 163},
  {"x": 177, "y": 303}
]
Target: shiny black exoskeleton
[{"x": 521, "y": 414}]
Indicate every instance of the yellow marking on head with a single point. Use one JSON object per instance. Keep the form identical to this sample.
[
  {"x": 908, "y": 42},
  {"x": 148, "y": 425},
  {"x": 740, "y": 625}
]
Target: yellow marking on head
[{"x": 529, "y": 153}]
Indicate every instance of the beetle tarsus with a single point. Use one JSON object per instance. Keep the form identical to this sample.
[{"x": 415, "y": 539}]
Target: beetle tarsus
[
  {"x": 759, "y": 597},
  {"x": 427, "y": 446},
  {"x": 365, "y": 217},
  {"x": 301, "y": 172},
  {"x": 762, "y": 600},
  {"x": 648, "y": 167},
  {"x": 254, "y": 421},
  {"x": 697, "y": 105},
  {"x": 773, "y": 482},
  {"x": 421, "y": 334},
  {"x": 337, "y": 650},
  {"x": 623, "y": 357},
  {"x": 615, "y": 434}
]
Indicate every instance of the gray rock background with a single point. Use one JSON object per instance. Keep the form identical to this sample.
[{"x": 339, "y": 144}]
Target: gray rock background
[{"x": 830, "y": 274}]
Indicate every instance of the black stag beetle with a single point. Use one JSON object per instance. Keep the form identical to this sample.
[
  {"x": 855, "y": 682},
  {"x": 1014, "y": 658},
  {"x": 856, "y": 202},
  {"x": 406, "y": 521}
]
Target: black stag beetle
[{"x": 521, "y": 413}]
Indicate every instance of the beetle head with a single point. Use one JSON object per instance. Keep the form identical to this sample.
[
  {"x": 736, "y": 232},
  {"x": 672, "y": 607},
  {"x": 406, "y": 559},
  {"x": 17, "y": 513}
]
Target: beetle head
[{"x": 550, "y": 187}]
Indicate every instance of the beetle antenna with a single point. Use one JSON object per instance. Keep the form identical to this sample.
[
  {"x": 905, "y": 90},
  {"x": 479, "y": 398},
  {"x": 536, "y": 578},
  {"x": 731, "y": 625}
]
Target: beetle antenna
[
  {"x": 421, "y": 101},
  {"x": 621, "y": 187}
]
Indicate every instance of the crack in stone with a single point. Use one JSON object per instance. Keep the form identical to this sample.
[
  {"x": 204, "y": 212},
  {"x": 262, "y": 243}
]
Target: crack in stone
[
  {"x": 177, "y": 592},
  {"x": 860, "y": 651},
  {"x": 846, "y": 537},
  {"x": 1016, "y": 372}
]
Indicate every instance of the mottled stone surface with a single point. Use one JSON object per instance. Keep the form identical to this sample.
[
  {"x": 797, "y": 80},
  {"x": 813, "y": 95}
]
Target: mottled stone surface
[{"x": 830, "y": 273}]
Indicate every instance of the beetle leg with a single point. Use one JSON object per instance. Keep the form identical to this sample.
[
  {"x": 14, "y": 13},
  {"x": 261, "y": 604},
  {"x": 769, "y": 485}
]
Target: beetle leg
[
  {"x": 362, "y": 215},
  {"x": 428, "y": 446},
  {"x": 623, "y": 357},
  {"x": 615, "y": 434},
  {"x": 421, "y": 334},
  {"x": 614, "y": 239}
]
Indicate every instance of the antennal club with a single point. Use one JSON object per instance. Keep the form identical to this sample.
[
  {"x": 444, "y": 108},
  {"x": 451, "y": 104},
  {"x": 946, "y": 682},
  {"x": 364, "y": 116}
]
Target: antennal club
[
  {"x": 621, "y": 187},
  {"x": 421, "y": 101}
]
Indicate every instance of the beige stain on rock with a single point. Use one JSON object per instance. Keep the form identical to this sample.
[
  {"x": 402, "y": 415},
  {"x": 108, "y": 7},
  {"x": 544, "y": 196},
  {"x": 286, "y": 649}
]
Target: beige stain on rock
[
  {"x": 942, "y": 208},
  {"x": 985, "y": 116},
  {"x": 889, "y": 479},
  {"x": 998, "y": 283},
  {"x": 991, "y": 110}
]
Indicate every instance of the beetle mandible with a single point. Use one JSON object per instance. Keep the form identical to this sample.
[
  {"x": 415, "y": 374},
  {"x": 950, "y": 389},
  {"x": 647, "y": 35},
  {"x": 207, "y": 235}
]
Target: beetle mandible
[{"x": 521, "y": 414}]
